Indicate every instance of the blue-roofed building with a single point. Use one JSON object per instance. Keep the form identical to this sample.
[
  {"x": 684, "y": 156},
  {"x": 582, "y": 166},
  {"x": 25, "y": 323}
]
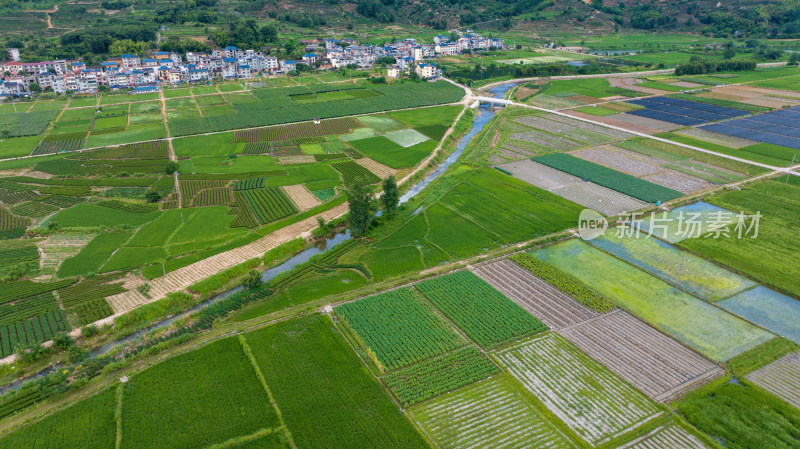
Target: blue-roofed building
[{"x": 310, "y": 58}]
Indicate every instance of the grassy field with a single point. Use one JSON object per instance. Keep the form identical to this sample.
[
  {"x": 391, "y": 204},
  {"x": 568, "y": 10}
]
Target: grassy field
[
  {"x": 741, "y": 416},
  {"x": 713, "y": 332},
  {"x": 88, "y": 423},
  {"x": 217, "y": 383},
  {"x": 777, "y": 202},
  {"x": 326, "y": 396}
]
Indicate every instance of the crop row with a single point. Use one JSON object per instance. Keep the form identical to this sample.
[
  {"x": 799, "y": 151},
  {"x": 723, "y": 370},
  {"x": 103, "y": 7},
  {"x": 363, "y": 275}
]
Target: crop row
[
  {"x": 485, "y": 314},
  {"x": 16, "y": 290},
  {"x": 607, "y": 177},
  {"x": 397, "y": 328},
  {"x": 91, "y": 311},
  {"x": 269, "y": 204},
  {"x": 26, "y": 124},
  {"x": 9, "y": 221},
  {"x": 244, "y": 218},
  {"x": 277, "y": 107},
  {"x": 63, "y": 201},
  {"x": 37, "y": 329},
  {"x": 563, "y": 282},
  {"x": 215, "y": 196},
  {"x": 297, "y": 131},
  {"x": 252, "y": 183},
  {"x": 9, "y": 197},
  {"x": 190, "y": 188},
  {"x": 95, "y": 287},
  {"x": 136, "y": 208},
  {"x": 26, "y": 308},
  {"x": 34, "y": 209},
  {"x": 353, "y": 172},
  {"x": 59, "y": 146},
  {"x": 13, "y": 255},
  {"x": 440, "y": 375},
  {"x": 147, "y": 150}
]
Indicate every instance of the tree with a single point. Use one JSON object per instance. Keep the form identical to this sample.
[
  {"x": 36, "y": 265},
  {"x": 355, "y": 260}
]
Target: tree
[
  {"x": 171, "y": 167},
  {"x": 252, "y": 280},
  {"x": 391, "y": 196},
  {"x": 794, "y": 59},
  {"x": 152, "y": 196},
  {"x": 53, "y": 225},
  {"x": 362, "y": 207},
  {"x": 32, "y": 352},
  {"x": 35, "y": 88},
  {"x": 77, "y": 354},
  {"x": 124, "y": 46},
  {"x": 729, "y": 53},
  {"x": 62, "y": 341}
]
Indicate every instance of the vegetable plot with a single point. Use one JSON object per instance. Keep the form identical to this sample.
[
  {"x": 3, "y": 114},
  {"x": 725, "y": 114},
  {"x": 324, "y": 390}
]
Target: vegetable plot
[
  {"x": 397, "y": 328},
  {"x": 269, "y": 204},
  {"x": 485, "y": 314}
]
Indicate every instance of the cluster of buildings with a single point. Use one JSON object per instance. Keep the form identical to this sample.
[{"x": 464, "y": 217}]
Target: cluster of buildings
[{"x": 145, "y": 74}]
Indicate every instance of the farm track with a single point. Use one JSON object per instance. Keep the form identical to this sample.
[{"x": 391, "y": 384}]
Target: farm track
[
  {"x": 654, "y": 363},
  {"x": 184, "y": 277},
  {"x": 542, "y": 300},
  {"x": 670, "y": 436},
  {"x": 781, "y": 378}
]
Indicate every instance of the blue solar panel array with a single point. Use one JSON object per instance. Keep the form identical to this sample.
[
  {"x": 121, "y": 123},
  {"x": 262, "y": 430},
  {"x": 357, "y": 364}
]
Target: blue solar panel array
[
  {"x": 778, "y": 128},
  {"x": 683, "y": 112}
]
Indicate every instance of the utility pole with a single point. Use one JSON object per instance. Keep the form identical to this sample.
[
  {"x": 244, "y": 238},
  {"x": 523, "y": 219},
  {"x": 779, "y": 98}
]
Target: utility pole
[{"x": 789, "y": 173}]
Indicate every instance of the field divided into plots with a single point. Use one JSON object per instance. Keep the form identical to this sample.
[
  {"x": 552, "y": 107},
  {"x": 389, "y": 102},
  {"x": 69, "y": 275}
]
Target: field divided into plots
[
  {"x": 683, "y": 112},
  {"x": 777, "y": 128},
  {"x": 489, "y": 414},
  {"x": 591, "y": 400},
  {"x": 698, "y": 324},
  {"x": 217, "y": 383},
  {"x": 486, "y": 315},
  {"x": 397, "y": 328},
  {"x": 781, "y": 378},
  {"x": 269, "y": 204},
  {"x": 327, "y": 397},
  {"x": 672, "y": 265},
  {"x": 654, "y": 363},
  {"x": 432, "y": 377},
  {"x": 555, "y": 308},
  {"x": 587, "y": 194},
  {"x": 606, "y": 177}
]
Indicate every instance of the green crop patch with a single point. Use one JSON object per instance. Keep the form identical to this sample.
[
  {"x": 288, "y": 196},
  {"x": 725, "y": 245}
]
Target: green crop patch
[
  {"x": 606, "y": 177},
  {"x": 91, "y": 215},
  {"x": 217, "y": 383},
  {"x": 486, "y": 315},
  {"x": 564, "y": 282},
  {"x": 436, "y": 376},
  {"x": 35, "y": 329},
  {"x": 93, "y": 255},
  {"x": 397, "y": 328},
  {"x": 326, "y": 396},
  {"x": 353, "y": 172},
  {"x": 88, "y": 424},
  {"x": 269, "y": 204}
]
